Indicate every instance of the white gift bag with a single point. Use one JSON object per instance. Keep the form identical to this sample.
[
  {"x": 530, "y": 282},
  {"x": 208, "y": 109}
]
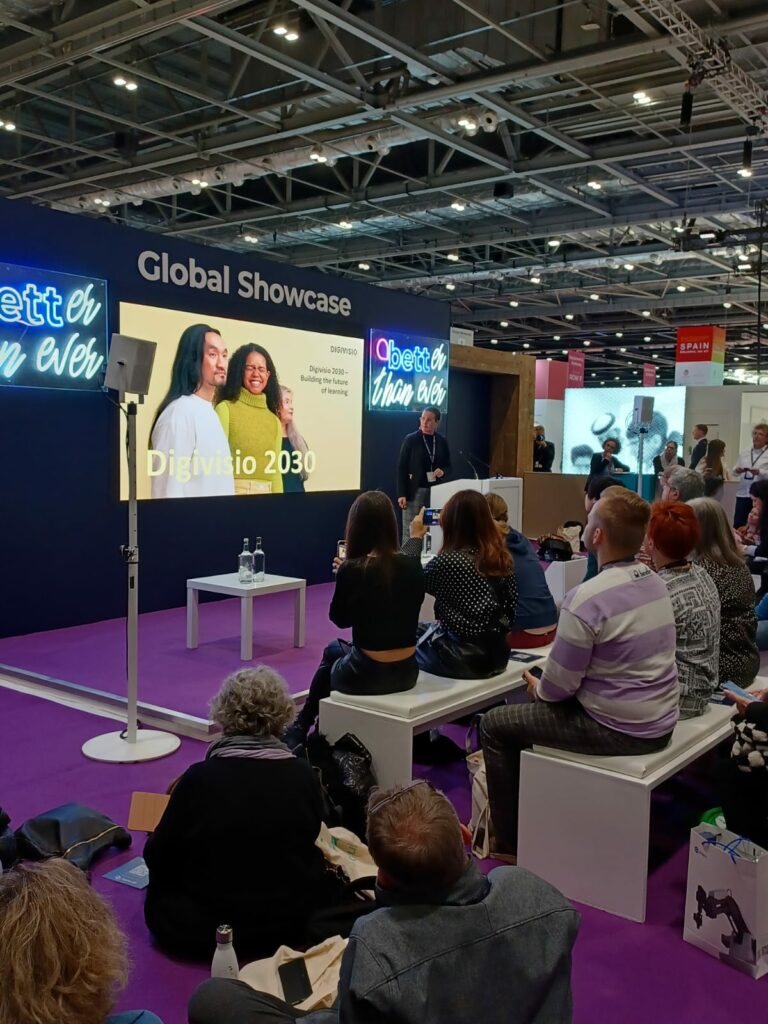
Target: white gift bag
[{"x": 726, "y": 900}]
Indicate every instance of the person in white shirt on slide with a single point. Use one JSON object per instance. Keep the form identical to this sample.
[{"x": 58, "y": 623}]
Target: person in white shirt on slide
[
  {"x": 752, "y": 465},
  {"x": 189, "y": 453}
]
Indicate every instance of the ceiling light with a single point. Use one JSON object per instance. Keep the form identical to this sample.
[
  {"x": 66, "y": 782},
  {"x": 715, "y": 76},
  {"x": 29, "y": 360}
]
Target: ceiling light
[
  {"x": 504, "y": 323},
  {"x": 569, "y": 316},
  {"x": 458, "y": 206},
  {"x": 526, "y": 345},
  {"x": 593, "y": 375},
  {"x": 565, "y": 351},
  {"x": 549, "y": 359},
  {"x": 655, "y": 355},
  {"x": 346, "y": 224},
  {"x": 452, "y": 256},
  {"x": 291, "y": 35},
  {"x": 646, "y": 312},
  {"x": 596, "y": 185},
  {"x": 595, "y": 297},
  {"x": 707, "y": 235},
  {"x": 248, "y": 236},
  {"x": 615, "y": 378},
  {"x": 744, "y": 266},
  {"x": 119, "y": 80},
  {"x": 554, "y": 243},
  {"x": 556, "y": 337},
  {"x": 535, "y": 279},
  {"x": 619, "y": 334},
  {"x": 735, "y": 359},
  {"x": 727, "y": 305},
  {"x": 635, "y": 372},
  {"x": 514, "y": 303},
  {"x": 622, "y": 350},
  {"x": 200, "y": 182},
  {"x": 494, "y": 341},
  {"x": 682, "y": 288},
  {"x": 746, "y": 160},
  {"x": 8, "y": 125},
  {"x": 280, "y": 30},
  {"x": 131, "y": 86},
  {"x": 469, "y": 124},
  {"x": 679, "y": 228},
  {"x": 629, "y": 266},
  {"x": 642, "y": 98},
  {"x": 587, "y": 344},
  {"x": 363, "y": 266},
  {"x": 647, "y": 337},
  {"x": 318, "y": 155},
  {"x": 451, "y": 286}
]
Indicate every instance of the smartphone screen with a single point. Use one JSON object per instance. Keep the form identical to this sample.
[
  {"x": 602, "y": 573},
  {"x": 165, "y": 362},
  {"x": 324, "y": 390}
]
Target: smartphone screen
[
  {"x": 432, "y": 516},
  {"x": 341, "y": 549},
  {"x": 536, "y": 671},
  {"x": 737, "y": 690},
  {"x": 295, "y": 981}
]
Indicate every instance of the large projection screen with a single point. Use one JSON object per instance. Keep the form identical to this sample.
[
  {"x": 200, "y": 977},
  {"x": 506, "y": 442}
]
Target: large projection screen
[
  {"x": 592, "y": 415},
  {"x": 324, "y": 373}
]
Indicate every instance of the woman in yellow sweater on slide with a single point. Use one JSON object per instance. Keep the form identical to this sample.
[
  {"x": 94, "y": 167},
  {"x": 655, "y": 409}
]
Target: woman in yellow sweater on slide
[{"x": 248, "y": 407}]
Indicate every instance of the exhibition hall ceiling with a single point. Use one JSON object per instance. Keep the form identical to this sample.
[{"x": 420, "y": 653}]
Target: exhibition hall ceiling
[{"x": 574, "y": 174}]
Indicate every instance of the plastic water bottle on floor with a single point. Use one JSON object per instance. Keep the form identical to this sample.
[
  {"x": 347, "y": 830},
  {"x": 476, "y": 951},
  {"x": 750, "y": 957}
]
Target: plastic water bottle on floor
[
  {"x": 245, "y": 564},
  {"x": 224, "y": 963},
  {"x": 258, "y": 562}
]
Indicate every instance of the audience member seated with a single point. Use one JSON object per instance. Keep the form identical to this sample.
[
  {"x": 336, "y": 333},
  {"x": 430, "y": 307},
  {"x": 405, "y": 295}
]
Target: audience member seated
[
  {"x": 744, "y": 778},
  {"x": 379, "y": 593},
  {"x": 473, "y": 582},
  {"x": 594, "y": 492},
  {"x": 236, "y": 844},
  {"x": 673, "y": 533},
  {"x": 759, "y": 495},
  {"x": 609, "y": 685},
  {"x": 62, "y": 955},
  {"x": 448, "y": 944},
  {"x": 605, "y": 463},
  {"x": 680, "y": 484},
  {"x": 716, "y": 552},
  {"x": 536, "y": 618}
]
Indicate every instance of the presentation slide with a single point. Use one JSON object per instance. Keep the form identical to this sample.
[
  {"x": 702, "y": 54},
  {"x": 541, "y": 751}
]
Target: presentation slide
[
  {"x": 593, "y": 415},
  {"x": 240, "y": 408}
]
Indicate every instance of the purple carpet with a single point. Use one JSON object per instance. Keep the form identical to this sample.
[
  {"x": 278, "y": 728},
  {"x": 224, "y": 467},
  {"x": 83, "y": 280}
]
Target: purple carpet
[
  {"x": 635, "y": 974},
  {"x": 170, "y": 676}
]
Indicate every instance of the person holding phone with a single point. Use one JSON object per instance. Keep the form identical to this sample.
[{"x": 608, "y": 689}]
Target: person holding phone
[
  {"x": 379, "y": 593},
  {"x": 744, "y": 777},
  {"x": 424, "y": 460}
]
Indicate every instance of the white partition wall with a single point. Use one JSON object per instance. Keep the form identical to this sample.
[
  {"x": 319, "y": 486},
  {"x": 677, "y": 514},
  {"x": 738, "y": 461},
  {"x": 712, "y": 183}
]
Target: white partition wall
[{"x": 510, "y": 488}]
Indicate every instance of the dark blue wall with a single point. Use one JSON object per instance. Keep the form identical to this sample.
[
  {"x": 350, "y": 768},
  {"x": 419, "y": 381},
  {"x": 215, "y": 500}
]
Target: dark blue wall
[{"x": 62, "y": 523}]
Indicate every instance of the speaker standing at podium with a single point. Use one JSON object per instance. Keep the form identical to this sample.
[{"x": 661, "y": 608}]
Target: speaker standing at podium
[{"x": 424, "y": 460}]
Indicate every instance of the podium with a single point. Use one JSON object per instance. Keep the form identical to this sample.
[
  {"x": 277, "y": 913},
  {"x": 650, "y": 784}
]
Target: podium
[{"x": 510, "y": 488}]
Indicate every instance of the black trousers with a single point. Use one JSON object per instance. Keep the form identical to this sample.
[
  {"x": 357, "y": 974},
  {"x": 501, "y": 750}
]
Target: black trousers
[
  {"x": 443, "y": 654},
  {"x": 226, "y": 1001},
  {"x": 345, "y": 667},
  {"x": 744, "y": 797}
]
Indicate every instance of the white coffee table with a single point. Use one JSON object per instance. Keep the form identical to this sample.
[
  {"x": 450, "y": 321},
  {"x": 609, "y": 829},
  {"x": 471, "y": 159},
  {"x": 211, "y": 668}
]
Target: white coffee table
[{"x": 230, "y": 585}]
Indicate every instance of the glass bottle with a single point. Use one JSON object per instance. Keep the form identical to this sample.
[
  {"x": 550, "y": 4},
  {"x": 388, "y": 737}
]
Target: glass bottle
[
  {"x": 245, "y": 564},
  {"x": 258, "y": 562}
]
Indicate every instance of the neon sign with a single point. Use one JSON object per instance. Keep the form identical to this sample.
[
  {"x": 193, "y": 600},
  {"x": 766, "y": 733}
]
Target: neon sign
[
  {"x": 406, "y": 372},
  {"x": 53, "y": 329}
]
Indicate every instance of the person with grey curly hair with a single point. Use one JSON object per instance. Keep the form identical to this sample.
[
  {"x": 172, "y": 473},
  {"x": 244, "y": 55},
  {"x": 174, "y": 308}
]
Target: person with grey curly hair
[{"x": 236, "y": 844}]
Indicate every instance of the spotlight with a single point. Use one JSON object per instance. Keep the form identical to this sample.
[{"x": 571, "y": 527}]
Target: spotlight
[
  {"x": 619, "y": 334},
  {"x": 655, "y": 355},
  {"x": 451, "y": 286},
  {"x": 642, "y": 98},
  {"x": 119, "y": 80},
  {"x": 744, "y": 266},
  {"x": 346, "y": 224},
  {"x": 594, "y": 297},
  {"x": 596, "y": 185},
  {"x": 646, "y": 312},
  {"x": 452, "y": 256},
  {"x": 727, "y": 305},
  {"x": 363, "y": 266},
  {"x": 682, "y": 288},
  {"x": 514, "y": 303},
  {"x": 526, "y": 345},
  {"x": 131, "y": 86},
  {"x": 494, "y": 341},
  {"x": 200, "y": 182},
  {"x": 291, "y": 35},
  {"x": 249, "y": 236},
  {"x": 686, "y": 107},
  {"x": 629, "y": 266},
  {"x": 707, "y": 236},
  {"x": 554, "y": 243},
  {"x": 622, "y": 350},
  {"x": 564, "y": 351},
  {"x": 504, "y": 323},
  {"x": 569, "y": 316},
  {"x": 746, "y": 159},
  {"x": 556, "y": 337},
  {"x": 535, "y": 279},
  {"x": 587, "y": 344},
  {"x": 8, "y": 125},
  {"x": 280, "y": 30},
  {"x": 647, "y": 337},
  {"x": 317, "y": 153},
  {"x": 458, "y": 206}
]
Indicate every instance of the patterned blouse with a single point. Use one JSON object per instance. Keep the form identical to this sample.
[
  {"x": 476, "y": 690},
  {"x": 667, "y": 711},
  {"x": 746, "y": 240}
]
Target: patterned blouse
[{"x": 739, "y": 656}]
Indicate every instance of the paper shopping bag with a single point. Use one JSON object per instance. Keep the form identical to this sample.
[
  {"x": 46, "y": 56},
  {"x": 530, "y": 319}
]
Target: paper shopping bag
[{"x": 726, "y": 901}]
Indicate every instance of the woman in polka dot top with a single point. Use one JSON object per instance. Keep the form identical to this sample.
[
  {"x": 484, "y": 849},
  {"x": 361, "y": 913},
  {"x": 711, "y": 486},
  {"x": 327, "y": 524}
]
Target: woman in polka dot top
[{"x": 473, "y": 582}]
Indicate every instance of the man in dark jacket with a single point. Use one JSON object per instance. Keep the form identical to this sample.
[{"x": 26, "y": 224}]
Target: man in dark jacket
[
  {"x": 543, "y": 451},
  {"x": 700, "y": 448},
  {"x": 448, "y": 944},
  {"x": 424, "y": 460}
]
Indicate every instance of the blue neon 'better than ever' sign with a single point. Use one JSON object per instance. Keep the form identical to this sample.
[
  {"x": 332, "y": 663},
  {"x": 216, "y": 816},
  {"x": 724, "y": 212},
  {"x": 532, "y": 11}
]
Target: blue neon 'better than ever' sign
[
  {"x": 53, "y": 329},
  {"x": 406, "y": 372}
]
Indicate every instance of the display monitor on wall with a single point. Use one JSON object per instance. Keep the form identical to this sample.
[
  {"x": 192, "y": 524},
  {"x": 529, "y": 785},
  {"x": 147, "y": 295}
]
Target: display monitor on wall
[
  {"x": 593, "y": 415},
  {"x": 239, "y": 408}
]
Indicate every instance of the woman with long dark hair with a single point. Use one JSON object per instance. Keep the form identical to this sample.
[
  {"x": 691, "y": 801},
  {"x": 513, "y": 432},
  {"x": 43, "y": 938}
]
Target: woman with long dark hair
[
  {"x": 379, "y": 593},
  {"x": 473, "y": 582},
  {"x": 248, "y": 406}
]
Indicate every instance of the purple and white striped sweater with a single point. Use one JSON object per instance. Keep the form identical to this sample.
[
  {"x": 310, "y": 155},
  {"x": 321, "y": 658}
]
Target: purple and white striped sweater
[{"x": 615, "y": 652}]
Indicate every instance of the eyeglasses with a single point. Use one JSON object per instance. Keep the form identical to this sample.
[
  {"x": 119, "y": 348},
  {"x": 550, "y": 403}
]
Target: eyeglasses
[{"x": 399, "y": 793}]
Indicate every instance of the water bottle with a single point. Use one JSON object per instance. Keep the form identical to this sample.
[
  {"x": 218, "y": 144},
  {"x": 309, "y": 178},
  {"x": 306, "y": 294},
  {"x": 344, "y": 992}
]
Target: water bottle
[
  {"x": 224, "y": 964},
  {"x": 245, "y": 564},
  {"x": 258, "y": 562}
]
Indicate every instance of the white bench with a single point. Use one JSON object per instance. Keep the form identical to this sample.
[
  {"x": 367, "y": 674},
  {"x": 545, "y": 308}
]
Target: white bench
[
  {"x": 584, "y": 820},
  {"x": 564, "y": 576},
  {"x": 386, "y": 724}
]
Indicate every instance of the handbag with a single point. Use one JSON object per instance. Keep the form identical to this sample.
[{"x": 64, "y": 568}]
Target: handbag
[
  {"x": 346, "y": 775},
  {"x": 480, "y": 820},
  {"x": 72, "y": 831},
  {"x": 554, "y": 549}
]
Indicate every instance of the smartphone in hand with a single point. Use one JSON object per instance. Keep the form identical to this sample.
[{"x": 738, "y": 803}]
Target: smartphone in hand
[
  {"x": 341, "y": 549},
  {"x": 432, "y": 516},
  {"x": 738, "y": 692}
]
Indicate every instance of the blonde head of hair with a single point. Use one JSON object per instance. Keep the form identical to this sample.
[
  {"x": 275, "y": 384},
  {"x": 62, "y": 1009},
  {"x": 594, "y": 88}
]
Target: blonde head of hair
[
  {"x": 63, "y": 955},
  {"x": 623, "y": 516}
]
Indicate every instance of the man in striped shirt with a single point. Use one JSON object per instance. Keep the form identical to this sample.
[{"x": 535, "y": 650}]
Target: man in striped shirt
[{"x": 609, "y": 685}]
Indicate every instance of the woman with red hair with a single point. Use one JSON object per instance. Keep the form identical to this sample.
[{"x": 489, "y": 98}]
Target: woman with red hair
[
  {"x": 673, "y": 533},
  {"x": 473, "y": 582}
]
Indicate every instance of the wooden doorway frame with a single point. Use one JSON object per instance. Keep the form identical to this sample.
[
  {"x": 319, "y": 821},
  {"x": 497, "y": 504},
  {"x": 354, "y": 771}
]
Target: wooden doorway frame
[{"x": 513, "y": 389}]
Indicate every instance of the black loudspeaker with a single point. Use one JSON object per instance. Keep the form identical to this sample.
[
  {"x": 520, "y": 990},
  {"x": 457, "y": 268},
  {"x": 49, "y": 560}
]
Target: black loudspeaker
[
  {"x": 126, "y": 142},
  {"x": 129, "y": 366},
  {"x": 503, "y": 190}
]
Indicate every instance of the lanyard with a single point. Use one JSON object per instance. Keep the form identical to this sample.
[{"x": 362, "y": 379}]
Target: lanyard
[
  {"x": 760, "y": 453},
  {"x": 431, "y": 454}
]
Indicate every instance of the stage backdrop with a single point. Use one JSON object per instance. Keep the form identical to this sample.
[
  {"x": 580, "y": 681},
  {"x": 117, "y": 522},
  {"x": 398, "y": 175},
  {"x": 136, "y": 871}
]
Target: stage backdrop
[{"x": 61, "y": 511}]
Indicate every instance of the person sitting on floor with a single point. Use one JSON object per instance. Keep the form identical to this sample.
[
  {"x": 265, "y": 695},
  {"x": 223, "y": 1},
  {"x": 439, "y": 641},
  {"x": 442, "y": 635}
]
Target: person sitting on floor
[
  {"x": 236, "y": 843},
  {"x": 63, "y": 956},
  {"x": 609, "y": 685},
  {"x": 596, "y": 489},
  {"x": 379, "y": 593},
  {"x": 472, "y": 579},
  {"x": 673, "y": 533},
  {"x": 716, "y": 552},
  {"x": 448, "y": 943},
  {"x": 536, "y": 619}
]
